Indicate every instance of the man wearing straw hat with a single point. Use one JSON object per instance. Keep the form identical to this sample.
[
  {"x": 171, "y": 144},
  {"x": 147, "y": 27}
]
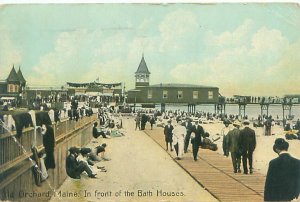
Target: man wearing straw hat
[
  {"x": 233, "y": 146},
  {"x": 196, "y": 141},
  {"x": 168, "y": 131},
  {"x": 178, "y": 139},
  {"x": 188, "y": 125}
]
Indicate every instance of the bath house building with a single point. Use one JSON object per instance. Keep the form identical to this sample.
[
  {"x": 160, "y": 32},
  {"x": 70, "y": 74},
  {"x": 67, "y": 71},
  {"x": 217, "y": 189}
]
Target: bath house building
[{"x": 169, "y": 93}]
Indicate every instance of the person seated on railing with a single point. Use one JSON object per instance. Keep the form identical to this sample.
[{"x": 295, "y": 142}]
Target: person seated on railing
[{"x": 74, "y": 168}]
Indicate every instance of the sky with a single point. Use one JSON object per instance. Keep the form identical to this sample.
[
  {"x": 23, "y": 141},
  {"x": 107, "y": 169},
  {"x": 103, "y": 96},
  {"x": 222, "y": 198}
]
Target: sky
[{"x": 244, "y": 49}]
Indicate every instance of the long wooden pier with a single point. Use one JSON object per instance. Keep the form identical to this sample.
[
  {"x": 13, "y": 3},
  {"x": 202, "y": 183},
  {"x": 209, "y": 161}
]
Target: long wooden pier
[{"x": 214, "y": 172}]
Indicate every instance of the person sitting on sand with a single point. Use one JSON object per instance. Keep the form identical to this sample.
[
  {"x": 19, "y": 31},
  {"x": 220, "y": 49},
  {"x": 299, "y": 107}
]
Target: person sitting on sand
[
  {"x": 94, "y": 155},
  {"x": 85, "y": 157},
  {"x": 74, "y": 167},
  {"x": 97, "y": 133}
]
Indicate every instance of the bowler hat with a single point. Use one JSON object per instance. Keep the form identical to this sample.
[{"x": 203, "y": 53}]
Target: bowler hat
[
  {"x": 85, "y": 150},
  {"x": 73, "y": 150},
  {"x": 280, "y": 144}
]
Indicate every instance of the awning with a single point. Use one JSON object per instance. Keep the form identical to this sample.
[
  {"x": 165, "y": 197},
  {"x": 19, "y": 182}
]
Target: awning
[
  {"x": 107, "y": 94},
  {"x": 7, "y": 98}
]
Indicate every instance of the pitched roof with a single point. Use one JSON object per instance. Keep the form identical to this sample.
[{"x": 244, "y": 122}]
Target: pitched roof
[
  {"x": 143, "y": 67},
  {"x": 13, "y": 76},
  {"x": 178, "y": 85},
  {"x": 21, "y": 77}
]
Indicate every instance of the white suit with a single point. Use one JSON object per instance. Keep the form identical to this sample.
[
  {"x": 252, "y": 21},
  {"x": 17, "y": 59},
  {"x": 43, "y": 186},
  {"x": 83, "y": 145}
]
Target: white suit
[{"x": 178, "y": 137}]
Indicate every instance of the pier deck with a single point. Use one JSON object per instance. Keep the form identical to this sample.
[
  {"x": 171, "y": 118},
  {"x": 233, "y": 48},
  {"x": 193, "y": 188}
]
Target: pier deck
[{"x": 215, "y": 173}]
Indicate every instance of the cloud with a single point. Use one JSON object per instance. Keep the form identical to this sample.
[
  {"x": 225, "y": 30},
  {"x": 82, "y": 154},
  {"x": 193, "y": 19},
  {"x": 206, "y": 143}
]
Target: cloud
[
  {"x": 73, "y": 53},
  {"x": 82, "y": 56},
  {"x": 189, "y": 73},
  {"x": 108, "y": 71},
  {"x": 231, "y": 39},
  {"x": 255, "y": 62},
  {"x": 176, "y": 28},
  {"x": 10, "y": 53}
]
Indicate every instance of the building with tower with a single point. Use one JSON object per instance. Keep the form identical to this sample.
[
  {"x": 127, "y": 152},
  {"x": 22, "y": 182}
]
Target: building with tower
[
  {"x": 142, "y": 74},
  {"x": 12, "y": 88},
  {"x": 170, "y": 93}
]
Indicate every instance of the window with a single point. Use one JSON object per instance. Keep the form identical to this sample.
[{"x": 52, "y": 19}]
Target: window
[
  {"x": 195, "y": 94},
  {"x": 180, "y": 95},
  {"x": 10, "y": 88},
  {"x": 165, "y": 94},
  {"x": 16, "y": 88},
  {"x": 210, "y": 94},
  {"x": 149, "y": 94}
]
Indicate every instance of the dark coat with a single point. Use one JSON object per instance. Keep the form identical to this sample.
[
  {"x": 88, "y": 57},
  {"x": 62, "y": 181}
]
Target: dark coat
[
  {"x": 71, "y": 166},
  {"x": 199, "y": 132},
  {"x": 233, "y": 139},
  {"x": 96, "y": 134},
  {"x": 189, "y": 127},
  {"x": 168, "y": 133},
  {"x": 283, "y": 179},
  {"x": 49, "y": 144},
  {"x": 247, "y": 140}
]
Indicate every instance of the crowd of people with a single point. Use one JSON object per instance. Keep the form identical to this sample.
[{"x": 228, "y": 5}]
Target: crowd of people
[
  {"x": 86, "y": 159},
  {"x": 283, "y": 177},
  {"x": 182, "y": 128}
]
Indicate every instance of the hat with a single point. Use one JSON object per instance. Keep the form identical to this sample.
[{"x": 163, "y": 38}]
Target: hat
[
  {"x": 196, "y": 120},
  {"x": 85, "y": 150},
  {"x": 246, "y": 122},
  {"x": 226, "y": 121},
  {"x": 280, "y": 144},
  {"x": 236, "y": 123},
  {"x": 169, "y": 121},
  {"x": 73, "y": 150},
  {"x": 206, "y": 134}
]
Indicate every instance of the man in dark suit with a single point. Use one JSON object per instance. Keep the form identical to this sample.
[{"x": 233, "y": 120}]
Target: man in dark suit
[
  {"x": 75, "y": 168},
  {"x": 234, "y": 147},
  {"x": 283, "y": 177},
  {"x": 168, "y": 131},
  {"x": 196, "y": 141},
  {"x": 189, "y": 128},
  {"x": 247, "y": 146}
]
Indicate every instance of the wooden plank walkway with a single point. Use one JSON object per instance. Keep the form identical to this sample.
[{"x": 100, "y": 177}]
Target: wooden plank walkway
[{"x": 214, "y": 172}]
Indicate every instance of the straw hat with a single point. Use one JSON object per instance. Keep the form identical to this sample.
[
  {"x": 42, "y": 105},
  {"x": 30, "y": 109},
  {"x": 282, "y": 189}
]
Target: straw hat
[
  {"x": 246, "y": 122},
  {"x": 236, "y": 123}
]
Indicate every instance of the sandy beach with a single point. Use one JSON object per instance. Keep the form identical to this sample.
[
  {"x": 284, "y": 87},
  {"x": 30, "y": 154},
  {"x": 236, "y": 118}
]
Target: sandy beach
[{"x": 139, "y": 169}]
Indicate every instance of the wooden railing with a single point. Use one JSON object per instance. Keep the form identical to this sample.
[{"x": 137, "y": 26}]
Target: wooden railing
[
  {"x": 11, "y": 153},
  {"x": 14, "y": 163}
]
